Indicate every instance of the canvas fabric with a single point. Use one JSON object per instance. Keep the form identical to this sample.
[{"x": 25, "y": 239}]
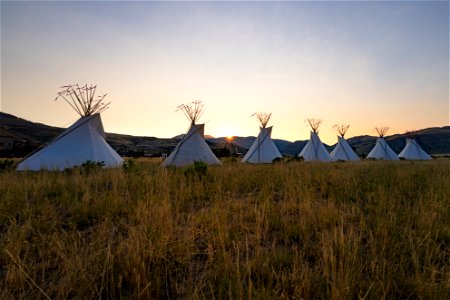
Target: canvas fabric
[
  {"x": 81, "y": 142},
  {"x": 314, "y": 150},
  {"x": 381, "y": 150},
  {"x": 343, "y": 151},
  {"x": 263, "y": 150},
  {"x": 192, "y": 148},
  {"x": 413, "y": 151}
]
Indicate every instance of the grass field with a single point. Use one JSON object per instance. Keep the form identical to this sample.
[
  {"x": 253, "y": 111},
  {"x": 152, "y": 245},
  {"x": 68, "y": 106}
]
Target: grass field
[{"x": 298, "y": 230}]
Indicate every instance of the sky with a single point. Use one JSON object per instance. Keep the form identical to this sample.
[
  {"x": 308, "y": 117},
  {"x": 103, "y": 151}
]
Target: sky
[{"x": 363, "y": 63}]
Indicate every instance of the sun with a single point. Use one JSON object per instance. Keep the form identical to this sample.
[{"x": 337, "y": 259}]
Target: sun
[{"x": 227, "y": 131}]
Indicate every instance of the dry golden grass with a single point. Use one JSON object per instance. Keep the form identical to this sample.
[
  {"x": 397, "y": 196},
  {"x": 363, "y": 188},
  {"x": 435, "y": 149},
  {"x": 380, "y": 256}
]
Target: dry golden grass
[{"x": 368, "y": 230}]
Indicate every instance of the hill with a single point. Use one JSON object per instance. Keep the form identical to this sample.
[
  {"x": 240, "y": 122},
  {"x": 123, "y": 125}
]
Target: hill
[
  {"x": 435, "y": 140},
  {"x": 19, "y": 137}
]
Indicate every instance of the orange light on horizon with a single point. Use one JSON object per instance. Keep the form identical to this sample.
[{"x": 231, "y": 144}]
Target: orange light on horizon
[{"x": 226, "y": 130}]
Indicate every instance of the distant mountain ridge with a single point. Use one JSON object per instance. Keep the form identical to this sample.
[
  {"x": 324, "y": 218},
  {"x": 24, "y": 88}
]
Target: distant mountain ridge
[{"x": 18, "y": 137}]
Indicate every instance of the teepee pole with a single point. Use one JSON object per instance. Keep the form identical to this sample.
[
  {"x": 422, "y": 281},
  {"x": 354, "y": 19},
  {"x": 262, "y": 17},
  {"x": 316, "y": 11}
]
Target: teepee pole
[{"x": 82, "y": 99}]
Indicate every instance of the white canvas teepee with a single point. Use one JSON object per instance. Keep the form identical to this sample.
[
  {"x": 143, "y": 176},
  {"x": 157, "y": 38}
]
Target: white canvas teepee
[
  {"x": 192, "y": 147},
  {"x": 342, "y": 151},
  {"x": 381, "y": 150},
  {"x": 314, "y": 150},
  {"x": 81, "y": 142},
  {"x": 413, "y": 151},
  {"x": 263, "y": 150}
]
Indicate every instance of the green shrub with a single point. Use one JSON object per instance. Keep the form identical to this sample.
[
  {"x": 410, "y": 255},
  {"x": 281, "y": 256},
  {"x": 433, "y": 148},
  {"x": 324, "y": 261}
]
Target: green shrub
[
  {"x": 6, "y": 165},
  {"x": 129, "y": 165},
  {"x": 199, "y": 169},
  {"x": 90, "y": 166}
]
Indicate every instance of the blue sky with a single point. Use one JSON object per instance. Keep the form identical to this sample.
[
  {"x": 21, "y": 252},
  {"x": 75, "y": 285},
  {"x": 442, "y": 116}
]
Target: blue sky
[{"x": 362, "y": 63}]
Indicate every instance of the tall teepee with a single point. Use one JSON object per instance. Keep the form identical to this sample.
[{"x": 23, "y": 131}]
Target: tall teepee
[
  {"x": 382, "y": 149},
  {"x": 263, "y": 150},
  {"x": 192, "y": 146},
  {"x": 314, "y": 150},
  {"x": 412, "y": 150},
  {"x": 342, "y": 150},
  {"x": 81, "y": 142}
]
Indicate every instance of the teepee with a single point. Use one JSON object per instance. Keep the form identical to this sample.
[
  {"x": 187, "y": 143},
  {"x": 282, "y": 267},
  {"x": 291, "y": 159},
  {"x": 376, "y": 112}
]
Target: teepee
[
  {"x": 413, "y": 151},
  {"x": 81, "y": 142},
  {"x": 314, "y": 150},
  {"x": 342, "y": 150},
  {"x": 192, "y": 146},
  {"x": 382, "y": 149},
  {"x": 263, "y": 150}
]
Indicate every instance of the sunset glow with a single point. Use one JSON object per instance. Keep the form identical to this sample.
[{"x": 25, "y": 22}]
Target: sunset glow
[
  {"x": 225, "y": 130},
  {"x": 360, "y": 63}
]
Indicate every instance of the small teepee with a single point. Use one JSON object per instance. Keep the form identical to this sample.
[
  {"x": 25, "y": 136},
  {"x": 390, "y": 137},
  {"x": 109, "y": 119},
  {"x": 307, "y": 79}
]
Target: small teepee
[
  {"x": 263, "y": 150},
  {"x": 382, "y": 149},
  {"x": 314, "y": 150},
  {"x": 342, "y": 151},
  {"x": 81, "y": 142},
  {"x": 192, "y": 146},
  {"x": 412, "y": 150}
]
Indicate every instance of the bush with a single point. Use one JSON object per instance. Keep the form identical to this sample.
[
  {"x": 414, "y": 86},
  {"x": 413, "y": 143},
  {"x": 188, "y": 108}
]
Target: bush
[
  {"x": 6, "y": 164},
  {"x": 129, "y": 166},
  {"x": 295, "y": 159},
  {"x": 90, "y": 166},
  {"x": 199, "y": 168},
  {"x": 277, "y": 160}
]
